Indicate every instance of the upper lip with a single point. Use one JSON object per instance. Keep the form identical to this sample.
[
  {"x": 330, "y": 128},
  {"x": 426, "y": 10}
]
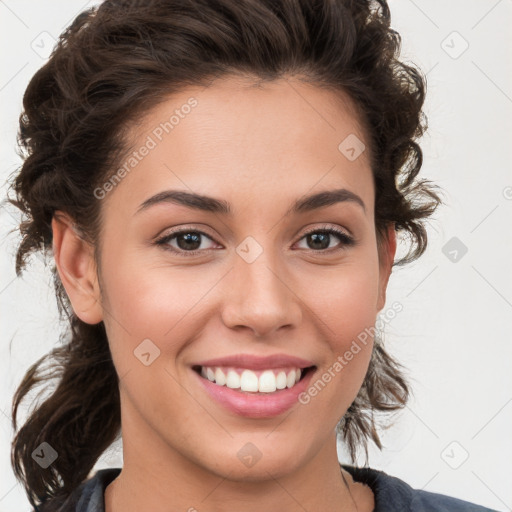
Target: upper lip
[{"x": 253, "y": 362}]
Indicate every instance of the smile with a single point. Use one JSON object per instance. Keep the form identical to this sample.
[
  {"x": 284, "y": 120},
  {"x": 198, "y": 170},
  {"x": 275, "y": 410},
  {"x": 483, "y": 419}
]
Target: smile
[
  {"x": 258, "y": 381},
  {"x": 254, "y": 394}
]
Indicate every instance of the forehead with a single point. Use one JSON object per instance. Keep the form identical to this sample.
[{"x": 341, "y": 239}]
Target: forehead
[{"x": 236, "y": 137}]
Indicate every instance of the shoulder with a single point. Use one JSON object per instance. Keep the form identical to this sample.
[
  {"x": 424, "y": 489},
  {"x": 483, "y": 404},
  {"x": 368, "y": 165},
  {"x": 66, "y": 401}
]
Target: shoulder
[
  {"x": 424, "y": 501},
  {"x": 389, "y": 490},
  {"x": 87, "y": 497}
]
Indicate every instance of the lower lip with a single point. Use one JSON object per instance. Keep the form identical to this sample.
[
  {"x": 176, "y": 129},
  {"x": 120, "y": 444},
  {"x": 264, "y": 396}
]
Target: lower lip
[{"x": 252, "y": 405}]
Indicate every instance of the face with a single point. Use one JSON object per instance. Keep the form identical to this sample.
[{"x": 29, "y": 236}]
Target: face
[{"x": 257, "y": 270}]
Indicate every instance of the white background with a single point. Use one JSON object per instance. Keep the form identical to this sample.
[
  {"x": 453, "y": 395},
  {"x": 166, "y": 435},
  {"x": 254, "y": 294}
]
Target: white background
[{"x": 454, "y": 331}]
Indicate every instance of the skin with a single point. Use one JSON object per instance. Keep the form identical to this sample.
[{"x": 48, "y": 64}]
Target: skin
[{"x": 260, "y": 149}]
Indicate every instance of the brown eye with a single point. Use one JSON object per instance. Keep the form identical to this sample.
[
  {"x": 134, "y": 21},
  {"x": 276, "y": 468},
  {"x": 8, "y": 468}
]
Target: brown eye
[
  {"x": 188, "y": 242},
  {"x": 320, "y": 239}
]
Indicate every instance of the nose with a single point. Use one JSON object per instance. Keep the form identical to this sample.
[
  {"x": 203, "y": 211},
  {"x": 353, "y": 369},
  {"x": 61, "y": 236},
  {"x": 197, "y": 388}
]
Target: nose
[{"x": 260, "y": 297}]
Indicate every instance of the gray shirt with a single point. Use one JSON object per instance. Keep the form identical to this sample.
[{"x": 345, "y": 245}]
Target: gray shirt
[{"x": 390, "y": 493}]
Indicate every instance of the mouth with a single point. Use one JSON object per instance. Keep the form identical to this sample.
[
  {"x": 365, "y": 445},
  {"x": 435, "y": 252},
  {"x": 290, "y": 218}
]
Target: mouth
[
  {"x": 237, "y": 389},
  {"x": 254, "y": 382}
]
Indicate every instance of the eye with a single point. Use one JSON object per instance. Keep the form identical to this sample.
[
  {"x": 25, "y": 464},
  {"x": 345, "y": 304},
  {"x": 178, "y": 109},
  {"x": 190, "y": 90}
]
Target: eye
[
  {"x": 185, "y": 239},
  {"x": 189, "y": 241},
  {"x": 321, "y": 238}
]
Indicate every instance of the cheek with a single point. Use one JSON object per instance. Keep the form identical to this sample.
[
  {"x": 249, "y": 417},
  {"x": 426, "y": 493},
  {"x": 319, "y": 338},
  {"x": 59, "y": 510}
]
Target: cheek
[
  {"x": 166, "y": 304},
  {"x": 346, "y": 306},
  {"x": 149, "y": 306},
  {"x": 138, "y": 305},
  {"x": 346, "y": 297},
  {"x": 349, "y": 314}
]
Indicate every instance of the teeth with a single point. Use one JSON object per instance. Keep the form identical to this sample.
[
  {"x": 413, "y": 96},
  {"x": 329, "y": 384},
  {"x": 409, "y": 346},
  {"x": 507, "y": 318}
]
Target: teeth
[
  {"x": 268, "y": 381},
  {"x": 233, "y": 380},
  {"x": 281, "y": 380},
  {"x": 290, "y": 379},
  {"x": 220, "y": 378},
  {"x": 249, "y": 381}
]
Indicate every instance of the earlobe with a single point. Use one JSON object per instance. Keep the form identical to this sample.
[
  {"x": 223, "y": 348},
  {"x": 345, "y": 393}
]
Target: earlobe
[
  {"x": 386, "y": 258},
  {"x": 74, "y": 259}
]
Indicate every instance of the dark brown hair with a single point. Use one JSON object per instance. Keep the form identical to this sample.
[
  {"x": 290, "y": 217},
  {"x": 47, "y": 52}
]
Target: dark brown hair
[{"x": 113, "y": 64}]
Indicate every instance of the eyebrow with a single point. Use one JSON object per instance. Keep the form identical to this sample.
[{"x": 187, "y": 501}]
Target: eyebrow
[{"x": 210, "y": 204}]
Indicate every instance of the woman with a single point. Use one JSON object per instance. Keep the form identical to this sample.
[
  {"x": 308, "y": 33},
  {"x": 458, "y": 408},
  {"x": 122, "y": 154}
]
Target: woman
[{"x": 221, "y": 184}]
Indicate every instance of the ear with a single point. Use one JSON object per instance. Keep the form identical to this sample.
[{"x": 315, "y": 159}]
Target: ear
[
  {"x": 74, "y": 259},
  {"x": 387, "y": 252}
]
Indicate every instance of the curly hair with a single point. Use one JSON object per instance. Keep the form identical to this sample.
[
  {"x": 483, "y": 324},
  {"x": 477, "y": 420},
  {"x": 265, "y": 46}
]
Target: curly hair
[{"x": 120, "y": 59}]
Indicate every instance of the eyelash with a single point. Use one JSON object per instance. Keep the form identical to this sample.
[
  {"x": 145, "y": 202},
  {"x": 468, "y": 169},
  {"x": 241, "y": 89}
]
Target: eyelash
[{"x": 163, "y": 241}]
